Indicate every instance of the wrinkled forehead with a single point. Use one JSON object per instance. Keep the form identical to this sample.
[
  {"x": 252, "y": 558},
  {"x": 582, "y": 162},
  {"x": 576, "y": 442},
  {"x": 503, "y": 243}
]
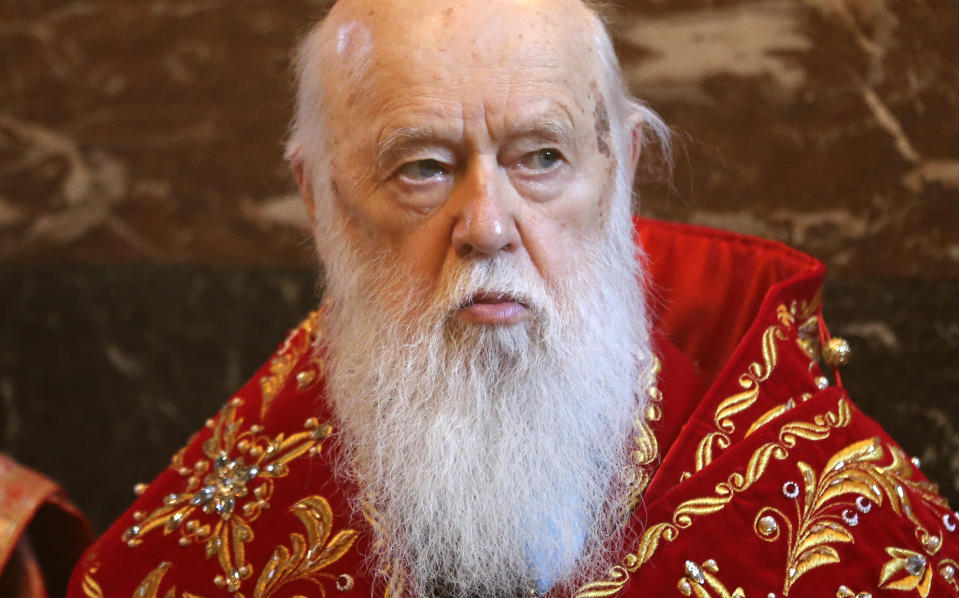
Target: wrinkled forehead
[{"x": 446, "y": 42}]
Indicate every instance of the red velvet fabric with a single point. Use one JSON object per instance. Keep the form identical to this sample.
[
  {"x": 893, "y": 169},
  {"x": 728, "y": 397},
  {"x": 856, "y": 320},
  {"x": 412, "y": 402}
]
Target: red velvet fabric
[{"x": 764, "y": 484}]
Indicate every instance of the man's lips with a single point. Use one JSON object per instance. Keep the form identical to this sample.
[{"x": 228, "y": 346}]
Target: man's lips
[{"x": 494, "y": 308}]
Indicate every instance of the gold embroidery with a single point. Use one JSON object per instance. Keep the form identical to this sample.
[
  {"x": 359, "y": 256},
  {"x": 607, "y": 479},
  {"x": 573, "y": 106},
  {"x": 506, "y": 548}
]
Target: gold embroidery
[
  {"x": 89, "y": 585},
  {"x": 906, "y": 570},
  {"x": 845, "y": 592},
  {"x": 289, "y": 354},
  {"x": 819, "y": 523},
  {"x": 819, "y": 428},
  {"x": 822, "y": 520},
  {"x": 150, "y": 586},
  {"x": 699, "y": 580},
  {"x": 750, "y": 381},
  {"x": 393, "y": 576},
  {"x": 807, "y": 315},
  {"x": 306, "y": 558},
  {"x": 947, "y": 571},
  {"x": 805, "y": 312},
  {"x": 227, "y": 482},
  {"x": 647, "y": 447},
  {"x": 770, "y": 415}
]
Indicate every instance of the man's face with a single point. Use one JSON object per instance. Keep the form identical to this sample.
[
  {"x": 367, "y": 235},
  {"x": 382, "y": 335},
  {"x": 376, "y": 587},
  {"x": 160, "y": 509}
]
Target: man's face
[{"x": 469, "y": 131}]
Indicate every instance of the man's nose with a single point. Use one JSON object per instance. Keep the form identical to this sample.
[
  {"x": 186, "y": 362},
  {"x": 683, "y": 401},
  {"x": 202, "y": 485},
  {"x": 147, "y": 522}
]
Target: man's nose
[{"x": 485, "y": 219}]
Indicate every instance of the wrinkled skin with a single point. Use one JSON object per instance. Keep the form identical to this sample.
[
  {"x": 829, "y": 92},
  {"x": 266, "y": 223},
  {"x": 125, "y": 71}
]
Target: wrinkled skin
[{"x": 466, "y": 130}]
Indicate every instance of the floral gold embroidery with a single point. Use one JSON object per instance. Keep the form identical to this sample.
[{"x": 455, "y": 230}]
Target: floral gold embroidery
[
  {"x": 702, "y": 582},
  {"x": 823, "y": 521},
  {"x": 905, "y": 571},
  {"x": 227, "y": 490},
  {"x": 820, "y": 427},
  {"x": 305, "y": 560},
  {"x": 150, "y": 586},
  {"x": 286, "y": 358},
  {"x": 307, "y": 557},
  {"x": 845, "y": 592},
  {"x": 851, "y": 482}
]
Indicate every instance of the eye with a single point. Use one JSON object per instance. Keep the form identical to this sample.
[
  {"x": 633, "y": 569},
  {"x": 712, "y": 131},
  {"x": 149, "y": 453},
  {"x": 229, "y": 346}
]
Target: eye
[
  {"x": 542, "y": 159},
  {"x": 422, "y": 170}
]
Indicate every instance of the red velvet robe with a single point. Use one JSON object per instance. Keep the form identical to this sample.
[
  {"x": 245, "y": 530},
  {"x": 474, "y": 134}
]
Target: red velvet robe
[{"x": 767, "y": 482}]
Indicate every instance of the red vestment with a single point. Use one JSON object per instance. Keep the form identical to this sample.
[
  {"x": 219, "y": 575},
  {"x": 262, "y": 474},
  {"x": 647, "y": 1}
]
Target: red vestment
[{"x": 765, "y": 482}]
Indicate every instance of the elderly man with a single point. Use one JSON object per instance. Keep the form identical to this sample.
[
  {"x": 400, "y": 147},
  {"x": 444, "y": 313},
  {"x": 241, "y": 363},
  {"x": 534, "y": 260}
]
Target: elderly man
[{"x": 502, "y": 394}]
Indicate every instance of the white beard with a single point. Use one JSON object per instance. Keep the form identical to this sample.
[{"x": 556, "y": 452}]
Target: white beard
[{"x": 495, "y": 459}]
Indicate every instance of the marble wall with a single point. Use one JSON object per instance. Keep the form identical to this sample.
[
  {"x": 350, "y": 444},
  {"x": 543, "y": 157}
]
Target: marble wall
[{"x": 152, "y": 251}]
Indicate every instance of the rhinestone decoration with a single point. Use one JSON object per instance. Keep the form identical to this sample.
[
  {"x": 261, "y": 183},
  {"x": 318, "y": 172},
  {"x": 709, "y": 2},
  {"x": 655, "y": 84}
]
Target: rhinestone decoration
[
  {"x": 850, "y": 517},
  {"x": 344, "y": 582},
  {"x": 684, "y": 586},
  {"x": 694, "y": 572},
  {"x": 915, "y": 564},
  {"x": 949, "y": 523},
  {"x": 932, "y": 544},
  {"x": 822, "y": 382},
  {"x": 790, "y": 489},
  {"x": 305, "y": 379},
  {"x": 948, "y": 572},
  {"x": 863, "y": 504},
  {"x": 231, "y": 483},
  {"x": 837, "y": 352},
  {"x": 771, "y": 595},
  {"x": 226, "y": 483},
  {"x": 916, "y": 462},
  {"x": 768, "y": 525}
]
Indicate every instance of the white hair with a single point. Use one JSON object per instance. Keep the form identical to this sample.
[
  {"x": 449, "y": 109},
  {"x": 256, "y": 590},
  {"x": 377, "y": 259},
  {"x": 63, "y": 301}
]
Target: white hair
[{"x": 491, "y": 458}]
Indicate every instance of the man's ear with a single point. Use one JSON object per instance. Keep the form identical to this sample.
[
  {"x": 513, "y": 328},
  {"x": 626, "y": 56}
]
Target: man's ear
[{"x": 304, "y": 184}]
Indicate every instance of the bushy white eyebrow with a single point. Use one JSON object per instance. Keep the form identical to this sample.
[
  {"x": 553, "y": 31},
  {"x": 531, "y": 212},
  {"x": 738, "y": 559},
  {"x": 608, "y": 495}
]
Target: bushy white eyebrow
[
  {"x": 555, "y": 129},
  {"x": 552, "y": 129},
  {"x": 403, "y": 138}
]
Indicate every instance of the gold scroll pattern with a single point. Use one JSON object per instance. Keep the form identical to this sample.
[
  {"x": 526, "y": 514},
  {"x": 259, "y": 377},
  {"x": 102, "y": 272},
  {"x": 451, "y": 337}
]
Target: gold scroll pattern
[
  {"x": 758, "y": 372},
  {"x": 832, "y": 501},
  {"x": 646, "y": 450},
  {"x": 307, "y": 559},
  {"x": 818, "y": 428},
  {"x": 701, "y": 581},
  {"x": 286, "y": 359}
]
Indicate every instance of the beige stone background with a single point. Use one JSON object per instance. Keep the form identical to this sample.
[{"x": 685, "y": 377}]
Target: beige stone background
[{"x": 152, "y": 252}]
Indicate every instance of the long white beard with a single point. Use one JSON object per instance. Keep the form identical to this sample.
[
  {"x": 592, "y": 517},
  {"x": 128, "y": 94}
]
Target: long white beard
[{"x": 494, "y": 459}]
